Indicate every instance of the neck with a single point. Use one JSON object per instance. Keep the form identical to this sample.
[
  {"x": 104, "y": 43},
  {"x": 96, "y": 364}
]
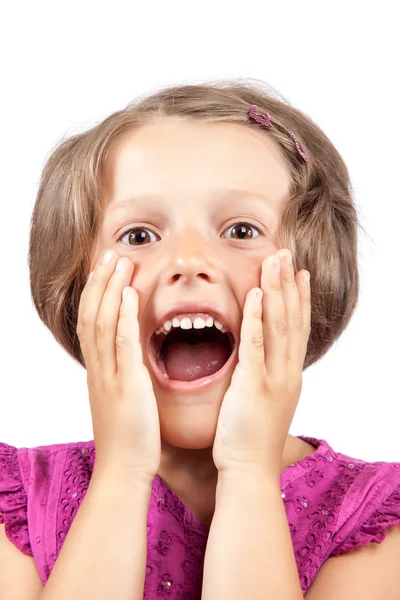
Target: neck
[{"x": 199, "y": 464}]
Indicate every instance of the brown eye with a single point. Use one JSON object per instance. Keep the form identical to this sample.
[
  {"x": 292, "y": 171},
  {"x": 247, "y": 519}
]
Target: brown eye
[
  {"x": 243, "y": 230},
  {"x": 136, "y": 236}
]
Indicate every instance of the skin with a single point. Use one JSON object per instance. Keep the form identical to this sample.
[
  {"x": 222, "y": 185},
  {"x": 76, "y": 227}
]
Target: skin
[{"x": 192, "y": 251}]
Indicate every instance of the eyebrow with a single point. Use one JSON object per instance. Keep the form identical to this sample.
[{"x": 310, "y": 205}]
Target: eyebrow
[{"x": 145, "y": 200}]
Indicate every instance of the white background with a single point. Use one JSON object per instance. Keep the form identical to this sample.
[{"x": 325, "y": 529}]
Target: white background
[{"x": 66, "y": 66}]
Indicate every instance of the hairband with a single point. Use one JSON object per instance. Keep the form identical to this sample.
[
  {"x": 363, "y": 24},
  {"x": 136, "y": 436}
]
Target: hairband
[{"x": 265, "y": 120}]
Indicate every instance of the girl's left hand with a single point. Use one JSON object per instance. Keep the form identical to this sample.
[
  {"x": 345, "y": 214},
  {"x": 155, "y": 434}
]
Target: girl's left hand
[{"x": 260, "y": 403}]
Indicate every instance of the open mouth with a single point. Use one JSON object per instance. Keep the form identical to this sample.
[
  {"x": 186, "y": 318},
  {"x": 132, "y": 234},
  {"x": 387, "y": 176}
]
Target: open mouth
[{"x": 190, "y": 354}]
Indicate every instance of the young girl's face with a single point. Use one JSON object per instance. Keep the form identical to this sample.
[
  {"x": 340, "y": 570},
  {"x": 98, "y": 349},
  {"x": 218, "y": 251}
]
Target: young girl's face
[{"x": 189, "y": 190}]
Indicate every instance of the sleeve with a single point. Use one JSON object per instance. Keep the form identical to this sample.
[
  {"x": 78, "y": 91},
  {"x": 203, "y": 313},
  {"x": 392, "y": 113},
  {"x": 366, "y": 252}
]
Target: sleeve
[
  {"x": 372, "y": 522},
  {"x": 13, "y": 500}
]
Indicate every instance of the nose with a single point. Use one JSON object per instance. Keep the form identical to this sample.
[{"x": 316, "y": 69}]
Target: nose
[{"x": 191, "y": 258}]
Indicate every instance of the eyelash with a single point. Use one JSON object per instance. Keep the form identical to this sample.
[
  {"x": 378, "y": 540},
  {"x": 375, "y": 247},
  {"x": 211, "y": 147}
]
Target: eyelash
[{"x": 146, "y": 229}]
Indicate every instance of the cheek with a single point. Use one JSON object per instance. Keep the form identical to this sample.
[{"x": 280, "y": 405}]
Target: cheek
[
  {"x": 246, "y": 277},
  {"x": 141, "y": 281},
  {"x": 97, "y": 251}
]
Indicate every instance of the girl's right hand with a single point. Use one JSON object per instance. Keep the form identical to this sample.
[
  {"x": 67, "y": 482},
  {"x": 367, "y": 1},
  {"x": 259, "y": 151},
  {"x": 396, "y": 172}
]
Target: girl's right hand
[{"x": 125, "y": 418}]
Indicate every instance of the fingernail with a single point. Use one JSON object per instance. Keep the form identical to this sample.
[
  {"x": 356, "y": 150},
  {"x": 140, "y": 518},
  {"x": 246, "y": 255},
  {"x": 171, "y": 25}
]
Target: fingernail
[
  {"x": 120, "y": 264},
  {"x": 277, "y": 264},
  {"x": 287, "y": 258},
  {"x": 306, "y": 277}
]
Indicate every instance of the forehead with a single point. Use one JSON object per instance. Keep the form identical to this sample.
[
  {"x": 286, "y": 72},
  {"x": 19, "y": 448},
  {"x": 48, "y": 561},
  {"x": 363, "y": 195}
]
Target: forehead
[{"x": 180, "y": 158}]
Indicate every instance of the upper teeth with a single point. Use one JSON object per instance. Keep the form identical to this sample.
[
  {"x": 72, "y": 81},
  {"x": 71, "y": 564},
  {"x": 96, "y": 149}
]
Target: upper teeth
[{"x": 187, "y": 322}]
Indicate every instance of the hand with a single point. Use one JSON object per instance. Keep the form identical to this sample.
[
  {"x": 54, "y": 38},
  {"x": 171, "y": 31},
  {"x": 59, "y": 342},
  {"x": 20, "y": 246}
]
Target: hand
[
  {"x": 124, "y": 410},
  {"x": 259, "y": 405}
]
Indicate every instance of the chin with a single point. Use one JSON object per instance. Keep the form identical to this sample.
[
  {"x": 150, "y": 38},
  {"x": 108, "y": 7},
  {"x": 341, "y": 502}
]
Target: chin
[{"x": 189, "y": 427}]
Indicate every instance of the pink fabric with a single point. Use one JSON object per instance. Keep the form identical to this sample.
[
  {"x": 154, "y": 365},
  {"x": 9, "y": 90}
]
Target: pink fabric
[{"x": 334, "y": 504}]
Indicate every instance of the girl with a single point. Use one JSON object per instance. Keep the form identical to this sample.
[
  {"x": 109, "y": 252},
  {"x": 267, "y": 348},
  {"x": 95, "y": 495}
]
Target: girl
[{"x": 169, "y": 254}]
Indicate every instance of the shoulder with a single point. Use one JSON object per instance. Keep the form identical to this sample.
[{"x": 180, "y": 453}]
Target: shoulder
[
  {"x": 370, "y": 506},
  {"x": 337, "y": 505},
  {"x": 363, "y": 498},
  {"x": 37, "y": 477},
  {"x": 13, "y": 499},
  {"x": 14, "y": 462}
]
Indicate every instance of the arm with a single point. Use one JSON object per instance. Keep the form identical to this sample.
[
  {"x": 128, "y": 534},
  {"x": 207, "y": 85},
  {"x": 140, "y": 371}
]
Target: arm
[
  {"x": 249, "y": 551},
  {"x": 104, "y": 554}
]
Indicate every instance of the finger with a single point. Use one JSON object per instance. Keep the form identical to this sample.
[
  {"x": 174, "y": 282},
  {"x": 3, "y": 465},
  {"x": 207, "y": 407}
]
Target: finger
[
  {"x": 108, "y": 317},
  {"x": 294, "y": 315},
  {"x": 274, "y": 320},
  {"x": 89, "y": 307},
  {"x": 305, "y": 306},
  {"x": 251, "y": 347},
  {"x": 127, "y": 341}
]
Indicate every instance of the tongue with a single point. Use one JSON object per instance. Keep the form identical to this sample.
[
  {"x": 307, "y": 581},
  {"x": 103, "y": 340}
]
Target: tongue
[{"x": 187, "y": 362}]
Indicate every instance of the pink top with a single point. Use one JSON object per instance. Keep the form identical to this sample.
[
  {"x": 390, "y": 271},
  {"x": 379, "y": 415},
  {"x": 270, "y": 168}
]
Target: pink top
[{"x": 334, "y": 504}]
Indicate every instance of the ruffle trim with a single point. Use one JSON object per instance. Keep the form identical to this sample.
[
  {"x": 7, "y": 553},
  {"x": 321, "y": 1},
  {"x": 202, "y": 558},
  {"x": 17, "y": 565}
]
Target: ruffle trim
[
  {"x": 374, "y": 528},
  {"x": 13, "y": 500}
]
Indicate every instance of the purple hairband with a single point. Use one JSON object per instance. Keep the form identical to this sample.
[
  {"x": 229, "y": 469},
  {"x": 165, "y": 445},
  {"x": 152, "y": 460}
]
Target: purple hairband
[{"x": 266, "y": 121}]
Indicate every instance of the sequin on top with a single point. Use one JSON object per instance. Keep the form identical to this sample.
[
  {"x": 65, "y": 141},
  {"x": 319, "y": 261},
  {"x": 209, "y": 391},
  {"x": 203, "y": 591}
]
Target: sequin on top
[{"x": 334, "y": 504}]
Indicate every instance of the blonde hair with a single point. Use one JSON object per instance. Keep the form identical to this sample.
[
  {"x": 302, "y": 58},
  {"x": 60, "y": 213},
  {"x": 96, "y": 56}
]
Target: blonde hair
[{"x": 318, "y": 223}]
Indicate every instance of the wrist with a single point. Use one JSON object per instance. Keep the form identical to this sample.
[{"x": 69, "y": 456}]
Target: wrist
[
  {"x": 244, "y": 481},
  {"x": 261, "y": 473},
  {"x": 117, "y": 475},
  {"x": 246, "y": 488}
]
